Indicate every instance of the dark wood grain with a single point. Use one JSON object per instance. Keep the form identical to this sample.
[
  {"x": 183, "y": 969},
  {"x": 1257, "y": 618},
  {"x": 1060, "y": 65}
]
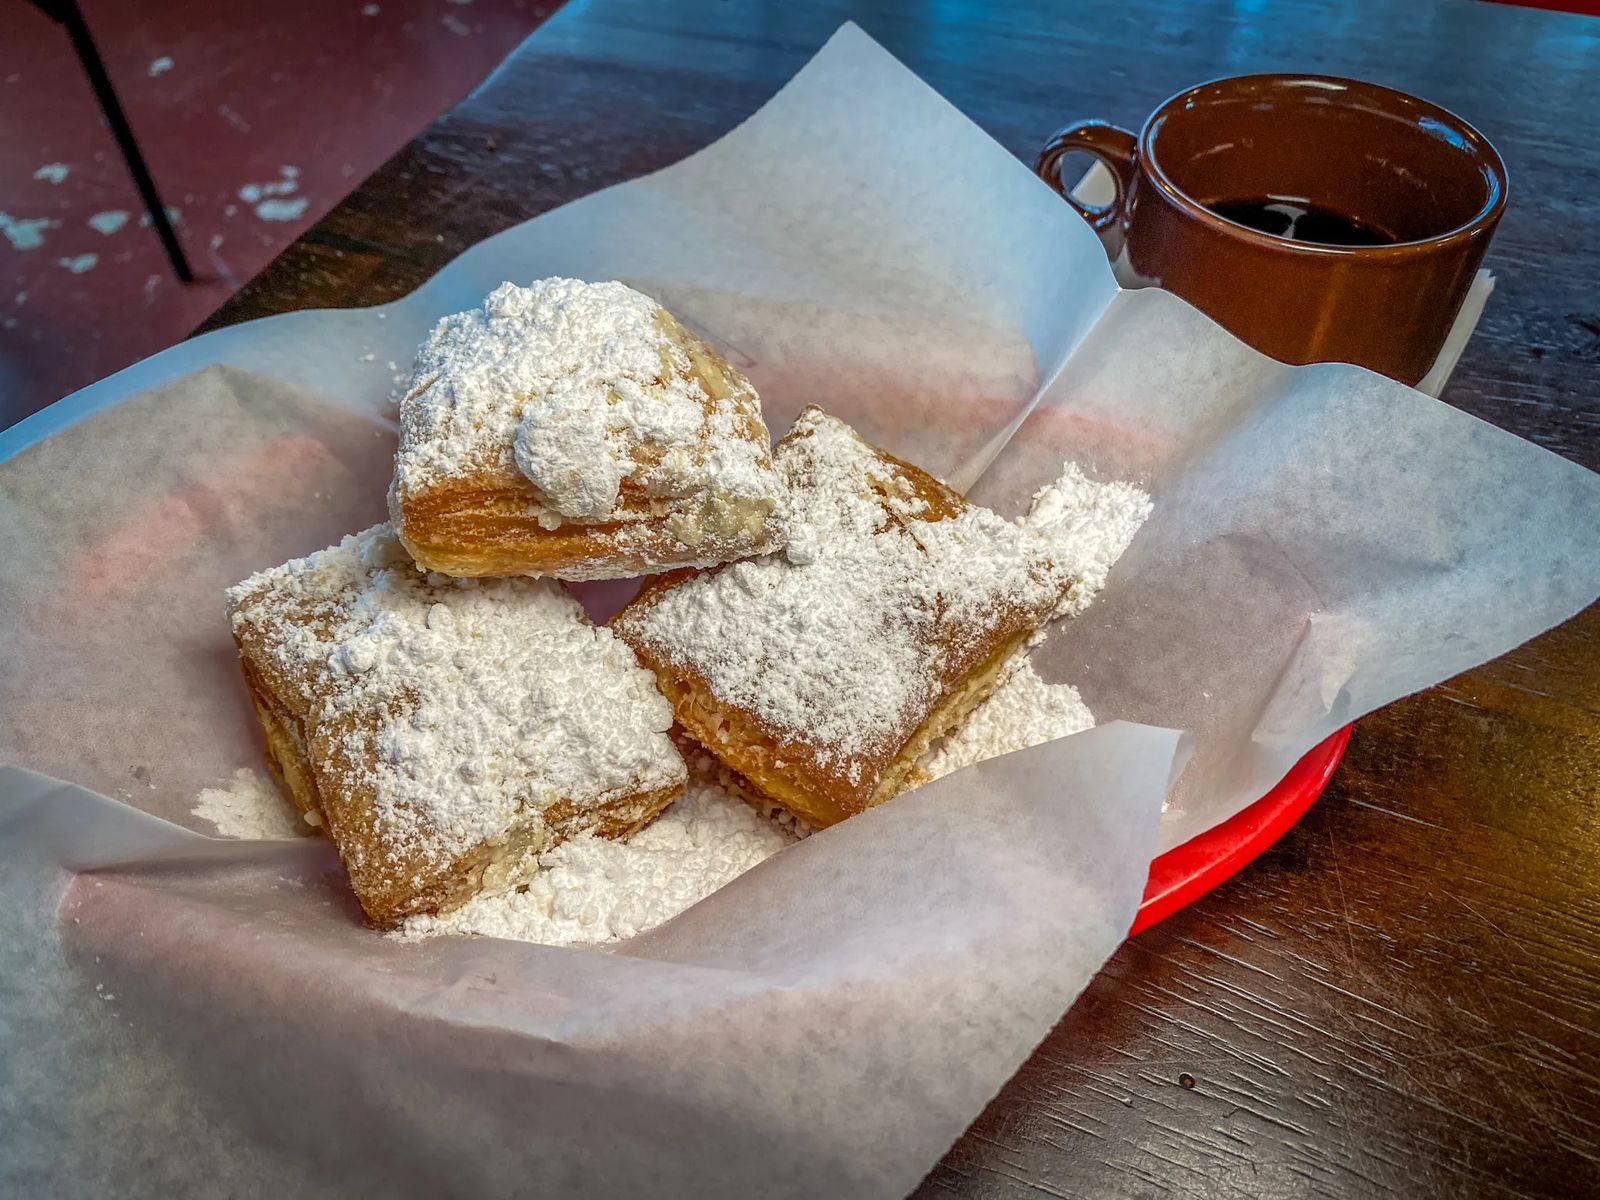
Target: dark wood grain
[{"x": 1402, "y": 997}]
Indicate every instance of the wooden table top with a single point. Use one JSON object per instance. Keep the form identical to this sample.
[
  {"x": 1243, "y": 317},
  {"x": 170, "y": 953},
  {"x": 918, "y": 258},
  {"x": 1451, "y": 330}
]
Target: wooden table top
[{"x": 1403, "y": 996}]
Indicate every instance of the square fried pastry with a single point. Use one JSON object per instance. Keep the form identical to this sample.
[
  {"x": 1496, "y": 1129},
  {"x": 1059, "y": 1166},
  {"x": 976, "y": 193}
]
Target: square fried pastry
[
  {"x": 817, "y": 676},
  {"x": 444, "y": 732},
  {"x": 577, "y": 430}
]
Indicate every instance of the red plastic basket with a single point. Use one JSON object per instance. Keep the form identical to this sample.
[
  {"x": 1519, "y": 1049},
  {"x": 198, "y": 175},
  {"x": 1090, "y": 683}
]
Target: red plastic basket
[{"x": 1187, "y": 872}]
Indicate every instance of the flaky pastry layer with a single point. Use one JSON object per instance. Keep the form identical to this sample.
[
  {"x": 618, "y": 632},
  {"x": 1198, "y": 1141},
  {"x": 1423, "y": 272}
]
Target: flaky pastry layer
[
  {"x": 817, "y": 781},
  {"x": 389, "y": 885},
  {"x": 759, "y": 774},
  {"x": 487, "y": 518},
  {"x": 325, "y": 756}
]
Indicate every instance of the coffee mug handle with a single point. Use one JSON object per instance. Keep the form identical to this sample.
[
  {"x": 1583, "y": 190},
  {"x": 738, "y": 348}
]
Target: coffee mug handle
[{"x": 1116, "y": 148}]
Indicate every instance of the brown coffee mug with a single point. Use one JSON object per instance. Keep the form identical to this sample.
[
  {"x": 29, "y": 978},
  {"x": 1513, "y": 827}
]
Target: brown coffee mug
[{"x": 1318, "y": 219}]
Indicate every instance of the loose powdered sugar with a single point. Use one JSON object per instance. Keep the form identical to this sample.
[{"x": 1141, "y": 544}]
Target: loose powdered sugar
[
  {"x": 250, "y": 807},
  {"x": 492, "y": 698},
  {"x": 579, "y": 387},
  {"x": 1093, "y": 522},
  {"x": 591, "y": 890},
  {"x": 1022, "y": 711}
]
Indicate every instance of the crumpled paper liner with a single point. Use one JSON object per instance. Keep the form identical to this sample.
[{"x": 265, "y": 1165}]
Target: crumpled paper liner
[
  {"x": 825, "y": 1025},
  {"x": 1323, "y": 541}
]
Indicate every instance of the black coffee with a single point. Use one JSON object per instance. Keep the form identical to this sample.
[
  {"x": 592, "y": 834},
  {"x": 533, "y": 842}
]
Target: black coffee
[{"x": 1301, "y": 221}]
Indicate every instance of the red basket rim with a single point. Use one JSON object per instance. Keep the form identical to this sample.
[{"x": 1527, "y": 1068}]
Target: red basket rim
[{"x": 1187, "y": 872}]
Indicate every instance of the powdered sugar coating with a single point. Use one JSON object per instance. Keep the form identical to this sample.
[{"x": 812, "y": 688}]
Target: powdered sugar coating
[
  {"x": 581, "y": 388},
  {"x": 591, "y": 890},
  {"x": 839, "y": 642},
  {"x": 493, "y": 698}
]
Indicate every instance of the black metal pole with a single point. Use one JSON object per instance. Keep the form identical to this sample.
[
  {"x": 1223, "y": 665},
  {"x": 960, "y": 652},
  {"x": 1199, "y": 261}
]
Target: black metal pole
[{"x": 70, "y": 15}]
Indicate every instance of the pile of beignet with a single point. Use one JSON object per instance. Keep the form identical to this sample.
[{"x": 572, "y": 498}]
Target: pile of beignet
[{"x": 815, "y": 613}]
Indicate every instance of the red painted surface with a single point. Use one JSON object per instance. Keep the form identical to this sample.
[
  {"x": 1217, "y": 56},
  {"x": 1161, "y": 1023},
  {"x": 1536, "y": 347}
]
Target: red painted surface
[
  {"x": 1187, "y": 872},
  {"x": 300, "y": 98},
  {"x": 1588, "y": 8}
]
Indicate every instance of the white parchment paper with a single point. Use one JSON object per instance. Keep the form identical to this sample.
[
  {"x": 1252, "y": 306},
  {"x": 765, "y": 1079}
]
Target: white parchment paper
[
  {"x": 1323, "y": 541},
  {"x": 221, "y": 1023}
]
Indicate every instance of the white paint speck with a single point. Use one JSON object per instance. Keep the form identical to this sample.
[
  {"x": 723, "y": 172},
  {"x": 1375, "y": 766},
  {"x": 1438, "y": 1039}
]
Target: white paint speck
[
  {"x": 52, "y": 172},
  {"x": 174, "y": 216},
  {"x": 22, "y": 298},
  {"x": 370, "y": 10},
  {"x": 455, "y": 24},
  {"x": 151, "y": 283},
  {"x": 281, "y": 210},
  {"x": 25, "y": 233},
  {"x": 233, "y": 118},
  {"x": 216, "y": 240},
  {"x": 368, "y": 357},
  {"x": 160, "y": 66},
  {"x": 80, "y": 264},
  {"x": 230, "y": 210},
  {"x": 286, "y": 184},
  {"x": 108, "y": 222}
]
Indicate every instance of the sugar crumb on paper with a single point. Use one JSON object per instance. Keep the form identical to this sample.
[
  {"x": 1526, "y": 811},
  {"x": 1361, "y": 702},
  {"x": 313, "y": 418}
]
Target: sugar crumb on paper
[
  {"x": 591, "y": 891},
  {"x": 250, "y": 808}
]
